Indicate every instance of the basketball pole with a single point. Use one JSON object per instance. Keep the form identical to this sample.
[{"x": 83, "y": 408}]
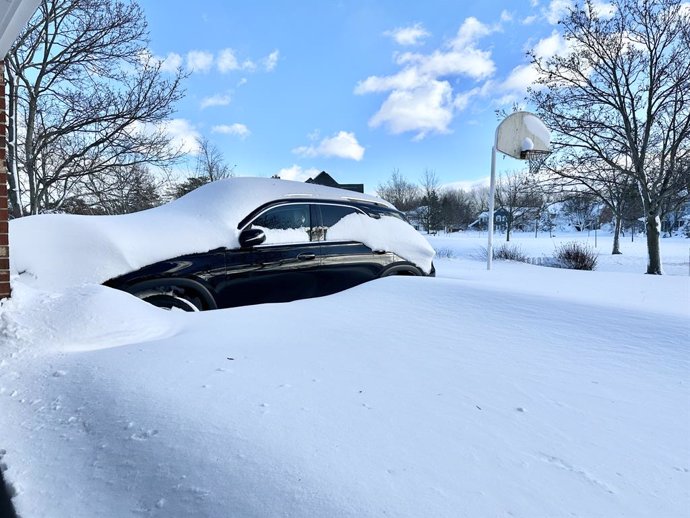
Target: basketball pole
[{"x": 492, "y": 195}]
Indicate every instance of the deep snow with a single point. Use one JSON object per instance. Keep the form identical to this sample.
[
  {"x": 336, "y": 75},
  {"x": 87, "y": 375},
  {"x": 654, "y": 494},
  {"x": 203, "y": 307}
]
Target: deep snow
[{"x": 525, "y": 391}]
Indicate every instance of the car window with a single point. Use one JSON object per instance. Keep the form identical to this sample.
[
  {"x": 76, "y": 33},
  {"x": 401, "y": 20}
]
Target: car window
[
  {"x": 285, "y": 224},
  {"x": 332, "y": 215}
]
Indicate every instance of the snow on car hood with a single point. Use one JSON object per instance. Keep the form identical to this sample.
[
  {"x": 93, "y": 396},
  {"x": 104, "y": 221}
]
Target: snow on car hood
[{"x": 58, "y": 250}]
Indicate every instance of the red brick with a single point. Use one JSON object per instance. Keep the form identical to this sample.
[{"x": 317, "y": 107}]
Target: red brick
[
  {"x": 5, "y": 288},
  {"x": 4, "y": 263}
]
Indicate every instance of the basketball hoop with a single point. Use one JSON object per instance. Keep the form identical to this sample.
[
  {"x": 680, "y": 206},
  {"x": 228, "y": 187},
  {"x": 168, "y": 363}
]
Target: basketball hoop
[
  {"x": 523, "y": 136},
  {"x": 536, "y": 158}
]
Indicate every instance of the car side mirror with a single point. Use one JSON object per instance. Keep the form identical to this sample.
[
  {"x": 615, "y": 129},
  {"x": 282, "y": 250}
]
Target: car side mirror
[{"x": 250, "y": 237}]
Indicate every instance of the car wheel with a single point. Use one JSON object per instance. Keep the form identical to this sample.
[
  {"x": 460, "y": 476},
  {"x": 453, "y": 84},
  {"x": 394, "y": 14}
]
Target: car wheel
[
  {"x": 401, "y": 270},
  {"x": 169, "y": 301}
]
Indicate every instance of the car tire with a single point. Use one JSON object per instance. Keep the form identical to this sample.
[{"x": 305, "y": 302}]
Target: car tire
[
  {"x": 169, "y": 301},
  {"x": 401, "y": 270}
]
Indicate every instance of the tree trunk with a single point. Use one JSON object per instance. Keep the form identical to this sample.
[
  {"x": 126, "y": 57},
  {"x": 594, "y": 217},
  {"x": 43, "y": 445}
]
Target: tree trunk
[
  {"x": 617, "y": 236},
  {"x": 653, "y": 251}
]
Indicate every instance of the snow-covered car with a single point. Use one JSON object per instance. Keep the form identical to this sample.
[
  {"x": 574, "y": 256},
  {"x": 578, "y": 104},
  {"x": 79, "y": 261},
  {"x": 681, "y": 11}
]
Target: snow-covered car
[{"x": 234, "y": 242}]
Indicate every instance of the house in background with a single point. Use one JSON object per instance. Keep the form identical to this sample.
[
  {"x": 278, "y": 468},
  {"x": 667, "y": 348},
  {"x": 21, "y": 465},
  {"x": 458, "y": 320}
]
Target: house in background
[
  {"x": 500, "y": 220},
  {"x": 523, "y": 219},
  {"x": 323, "y": 178}
]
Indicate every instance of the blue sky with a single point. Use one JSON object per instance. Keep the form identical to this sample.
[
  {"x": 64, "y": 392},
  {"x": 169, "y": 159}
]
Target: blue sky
[{"x": 357, "y": 88}]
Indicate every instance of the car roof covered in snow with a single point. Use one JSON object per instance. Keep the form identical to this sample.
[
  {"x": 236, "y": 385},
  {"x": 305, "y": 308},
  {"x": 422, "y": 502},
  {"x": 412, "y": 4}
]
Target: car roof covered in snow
[{"x": 58, "y": 250}]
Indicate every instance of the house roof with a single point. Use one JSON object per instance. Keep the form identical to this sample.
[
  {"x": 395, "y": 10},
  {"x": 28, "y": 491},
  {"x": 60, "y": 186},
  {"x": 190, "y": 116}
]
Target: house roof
[
  {"x": 323, "y": 178},
  {"x": 13, "y": 16}
]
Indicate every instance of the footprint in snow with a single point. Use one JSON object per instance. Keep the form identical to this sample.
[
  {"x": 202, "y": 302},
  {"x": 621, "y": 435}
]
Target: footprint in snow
[{"x": 142, "y": 436}]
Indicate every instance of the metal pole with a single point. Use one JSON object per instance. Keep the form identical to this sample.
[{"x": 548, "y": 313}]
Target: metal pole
[{"x": 492, "y": 194}]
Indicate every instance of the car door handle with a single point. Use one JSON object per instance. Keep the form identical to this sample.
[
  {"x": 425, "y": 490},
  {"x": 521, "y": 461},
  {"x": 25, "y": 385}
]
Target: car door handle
[{"x": 306, "y": 257}]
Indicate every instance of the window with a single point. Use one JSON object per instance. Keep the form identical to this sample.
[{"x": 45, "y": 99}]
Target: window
[
  {"x": 285, "y": 224},
  {"x": 331, "y": 215}
]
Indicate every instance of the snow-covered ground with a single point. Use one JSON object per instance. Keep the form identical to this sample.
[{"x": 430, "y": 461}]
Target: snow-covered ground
[{"x": 525, "y": 391}]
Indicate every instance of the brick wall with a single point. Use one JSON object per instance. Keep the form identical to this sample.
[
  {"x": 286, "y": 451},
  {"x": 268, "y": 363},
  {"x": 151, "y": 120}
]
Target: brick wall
[{"x": 4, "y": 216}]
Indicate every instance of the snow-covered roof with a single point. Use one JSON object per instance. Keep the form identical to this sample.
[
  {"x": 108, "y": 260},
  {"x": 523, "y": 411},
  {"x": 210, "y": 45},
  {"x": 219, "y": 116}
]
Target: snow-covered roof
[
  {"x": 59, "y": 250},
  {"x": 12, "y": 20}
]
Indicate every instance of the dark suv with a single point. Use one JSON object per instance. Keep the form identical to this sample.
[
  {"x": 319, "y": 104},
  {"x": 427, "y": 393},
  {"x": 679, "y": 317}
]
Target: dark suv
[{"x": 287, "y": 252}]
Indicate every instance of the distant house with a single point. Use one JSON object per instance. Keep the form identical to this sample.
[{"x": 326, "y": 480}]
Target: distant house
[
  {"x": 500, "y": 220},
  {"x": 523, "y": 217},
  {"x": 323, "y": 178}
]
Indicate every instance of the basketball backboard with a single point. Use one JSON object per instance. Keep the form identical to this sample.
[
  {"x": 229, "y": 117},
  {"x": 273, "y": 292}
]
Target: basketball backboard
[{"x": 520, "y": 132}]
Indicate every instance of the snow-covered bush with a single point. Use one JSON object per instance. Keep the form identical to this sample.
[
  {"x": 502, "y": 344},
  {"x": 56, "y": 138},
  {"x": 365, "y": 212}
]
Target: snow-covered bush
[
  {"x": 505, "y": 252},
  {"x": 576, "y": 256},
  {"x": 509, "y": 252},
  {"x": 446, "y": 253}
]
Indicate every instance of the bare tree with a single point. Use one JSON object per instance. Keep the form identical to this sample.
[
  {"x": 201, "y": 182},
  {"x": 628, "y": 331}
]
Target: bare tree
[
  {"x": 580, "y": 207},
  {"x": 401, "y": 193},
  {"x": 210, "y": 166},
  {"x": 123, "y": 190},
  {"x": 85, "y": 97},
  {"x": 513, "y": 194},
  {"x": 457, "y": 208},
  {"x": 616, "y": 191},
  {"x": 621, "y": 97},
  {"x": 430, "y": 209},
  {"x": 210, "y": 162}
]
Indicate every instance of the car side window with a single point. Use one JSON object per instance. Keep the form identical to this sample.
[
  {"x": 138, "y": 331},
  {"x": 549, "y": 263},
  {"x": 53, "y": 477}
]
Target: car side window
[
  {"x": 285, "y": 224},
  {"x": 331, "y": 215}
]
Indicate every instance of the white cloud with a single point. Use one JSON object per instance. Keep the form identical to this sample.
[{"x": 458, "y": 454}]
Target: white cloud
[
  {"x": 271, "y": 61},
  {"x": 529, "y": 20},
  {"x": 199, "y": 60},
  {"x": 557, "y": 10},
  {"x": 426, "y": 109},
  {"x": 183, "y": 135},
  {"x": 420, "y": 95},
  {"x": 470, "y": 62},
  {"x": 171, "y": 62},
  {"x": 470, "y": 32},
  {"x": 550, "y": 46},
  {"x": 523, "y": 76},
  {"x": 506, "y": 16},
  {"x": 462, "y": 99},
  {"x": 297, "y": 174},
  {"x": 408, "y": 35},
  {"x": 403, "y": 80},
  {"x": 604, "y": 10},
  {"x": 216, "y": 100},
  {"x": 519, "y": 79},
  {"x": 237, "y": 129},
  {"x": 342, "y": 145},
  {"x": 227, "y": 62}
]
